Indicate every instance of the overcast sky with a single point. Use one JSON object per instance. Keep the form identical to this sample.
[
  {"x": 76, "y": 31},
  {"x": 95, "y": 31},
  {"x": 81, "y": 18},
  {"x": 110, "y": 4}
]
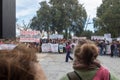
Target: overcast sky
[{"x": 26, "y": 9}]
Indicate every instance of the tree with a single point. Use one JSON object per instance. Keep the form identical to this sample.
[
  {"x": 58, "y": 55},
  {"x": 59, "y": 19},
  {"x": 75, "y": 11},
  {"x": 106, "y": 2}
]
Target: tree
[
  {"x": 42, "y": 20},
  {"x": 108, "y": 18},
  {"x": 60, "y": 15},
  {"x": 26, "y": 26},
  {"x": 87, "y": 33}
]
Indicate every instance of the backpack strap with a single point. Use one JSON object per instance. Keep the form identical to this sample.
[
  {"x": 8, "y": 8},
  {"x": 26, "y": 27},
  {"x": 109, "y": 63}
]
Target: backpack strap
[
  {"x": 73, "y": 76},
  {"x": 109, "y": 76}
]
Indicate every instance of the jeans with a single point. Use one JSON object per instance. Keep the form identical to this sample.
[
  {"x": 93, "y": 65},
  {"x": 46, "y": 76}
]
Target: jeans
[{"x": 68, "y": 56}]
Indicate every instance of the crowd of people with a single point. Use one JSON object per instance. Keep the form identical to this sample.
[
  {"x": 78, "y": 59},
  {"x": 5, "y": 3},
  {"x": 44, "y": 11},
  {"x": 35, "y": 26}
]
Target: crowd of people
[
  {"x": 108, "y": 48},
  {"x": 105, "y": 47},
  {"x": 21, "y": 62}
]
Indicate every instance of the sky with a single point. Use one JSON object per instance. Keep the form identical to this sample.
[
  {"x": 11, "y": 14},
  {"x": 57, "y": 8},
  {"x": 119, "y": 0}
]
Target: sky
[{"x": 26, "y": 9}]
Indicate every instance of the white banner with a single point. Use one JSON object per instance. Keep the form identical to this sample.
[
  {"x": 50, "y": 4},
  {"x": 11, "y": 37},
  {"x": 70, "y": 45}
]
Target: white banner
[
  {"x": 48, "y": 47},
  {"x": 75, "y": 37},
  {"x": 107, "y": 35},
  {"x": 56, "y": 36},
  {"x": 7, "y": 46},
  {"x": 118, "y": 39},
  {"x": 54, "y": 47},
  {"x": 97, "y": 37},
  {"x": 108, "y": 50}
]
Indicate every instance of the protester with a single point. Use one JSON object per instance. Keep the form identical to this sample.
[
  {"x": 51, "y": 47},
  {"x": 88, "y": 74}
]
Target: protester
[
  {"x": 118, "y": 45},
  {"x": 68, "y": 51},
  {"x": 20, "y": 64},
  {"x": 86, "y": 66},
  {"x": 112, "y": 48},
  {"x": 101, "y": 47}
]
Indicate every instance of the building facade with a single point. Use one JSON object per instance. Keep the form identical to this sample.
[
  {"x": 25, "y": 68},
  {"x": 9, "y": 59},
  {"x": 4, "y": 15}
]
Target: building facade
[{"x": 8, "y": 19}]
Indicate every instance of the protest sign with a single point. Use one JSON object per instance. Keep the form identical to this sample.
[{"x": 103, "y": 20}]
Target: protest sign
[
  {"x": 48, "y": 47},
  {"x": 29, "y": 36},
  {"x": 7, "y": 46}
]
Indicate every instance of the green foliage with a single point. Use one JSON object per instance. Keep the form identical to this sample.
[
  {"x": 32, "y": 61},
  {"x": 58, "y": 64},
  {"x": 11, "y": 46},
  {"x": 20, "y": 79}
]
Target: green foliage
[
  {"x": 87, "y": 33},
  {"x": 59, "y": 15},
  {"x": 108, "y": 18}
]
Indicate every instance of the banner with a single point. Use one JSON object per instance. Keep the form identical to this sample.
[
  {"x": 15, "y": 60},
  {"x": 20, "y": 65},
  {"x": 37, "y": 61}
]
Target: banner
[
  {"x": 108, "y": 50},
  {"x": 75, "y": 37},
  {"x": 54, "y": 47},
  {"x": 107, "y": 35},
  {"x": 29, "y": 36},
  {"x": 7, "y": 46},
  {"x": 48, "y": 47},
  {"x": 60, "y": 48},
  {"x": 56, "y": 36},
  {"x": 97, "y": 38},
  {"x": 118, "y": 39}
]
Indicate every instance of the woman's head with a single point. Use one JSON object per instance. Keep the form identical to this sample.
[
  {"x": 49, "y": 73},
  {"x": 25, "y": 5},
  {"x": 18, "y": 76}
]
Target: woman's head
[
  {"x": 80, "y": 43},
  {"x": 86, "y": 53},
  {"x": 19, "y": 64}
]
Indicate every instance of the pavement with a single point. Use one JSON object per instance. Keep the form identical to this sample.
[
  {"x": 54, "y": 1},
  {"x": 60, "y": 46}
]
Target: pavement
[{"x": 55, "y": 67}]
